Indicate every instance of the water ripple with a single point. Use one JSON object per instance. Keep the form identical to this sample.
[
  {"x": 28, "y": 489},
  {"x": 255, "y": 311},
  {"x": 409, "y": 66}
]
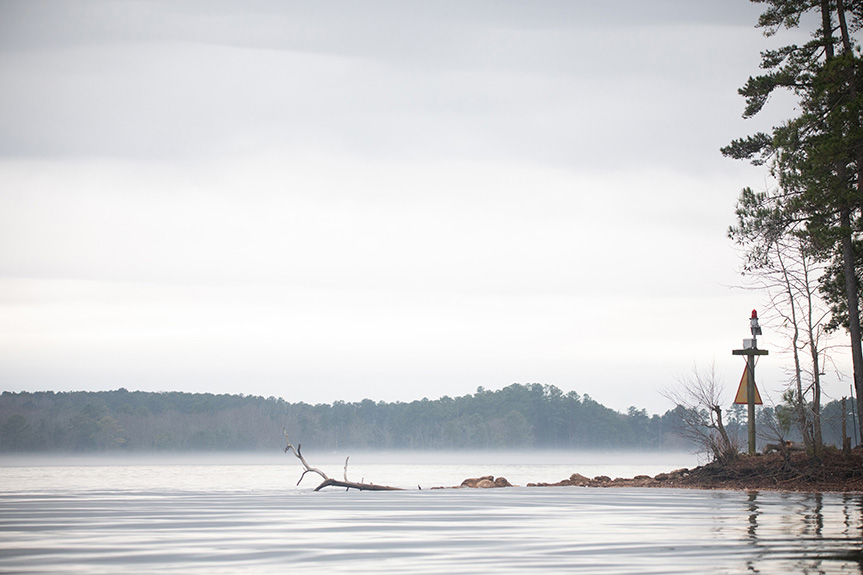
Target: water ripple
[{"x": 465, "y": 531}]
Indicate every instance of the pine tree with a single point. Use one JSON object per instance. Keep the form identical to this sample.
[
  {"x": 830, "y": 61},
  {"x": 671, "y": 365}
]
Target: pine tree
[{"x": 817, "y": 157}]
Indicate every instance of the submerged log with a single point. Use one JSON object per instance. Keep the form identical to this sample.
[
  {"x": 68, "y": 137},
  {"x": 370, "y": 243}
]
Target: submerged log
[
  {"x": 353, "y": 485},
  {"x": 327, "y": 481}
]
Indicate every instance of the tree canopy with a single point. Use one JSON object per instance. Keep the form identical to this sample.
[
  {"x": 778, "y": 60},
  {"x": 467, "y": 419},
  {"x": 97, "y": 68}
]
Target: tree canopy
[
  {"x": 816, "y": 156},
  {"x": 518, "y": 416}
]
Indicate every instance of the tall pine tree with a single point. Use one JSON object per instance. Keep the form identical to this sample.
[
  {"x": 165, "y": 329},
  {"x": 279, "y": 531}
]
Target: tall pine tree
[{"x": 817, "y": 157}]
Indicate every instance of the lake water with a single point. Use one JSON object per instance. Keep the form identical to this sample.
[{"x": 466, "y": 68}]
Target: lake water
[{"x": 247, "y": 515}]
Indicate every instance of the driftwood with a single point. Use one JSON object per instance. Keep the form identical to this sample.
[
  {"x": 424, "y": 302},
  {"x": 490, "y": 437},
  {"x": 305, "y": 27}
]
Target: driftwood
[{"x": 329, "y": 482}]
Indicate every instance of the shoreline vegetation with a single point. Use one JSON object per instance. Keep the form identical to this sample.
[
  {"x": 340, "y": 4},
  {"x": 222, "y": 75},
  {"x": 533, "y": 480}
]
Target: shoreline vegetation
[
  {"x": 834, "y": 472},
  {"x": 535, "y": 417},
  {"x": 518, "y": 416}
]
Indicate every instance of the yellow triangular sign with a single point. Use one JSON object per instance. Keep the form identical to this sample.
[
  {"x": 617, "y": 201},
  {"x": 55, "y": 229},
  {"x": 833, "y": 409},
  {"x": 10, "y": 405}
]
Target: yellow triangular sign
[{"x": 742, "y": 396}]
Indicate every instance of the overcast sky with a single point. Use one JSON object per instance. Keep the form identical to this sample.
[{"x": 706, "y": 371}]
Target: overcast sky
[{"x": 386, "y": 199}]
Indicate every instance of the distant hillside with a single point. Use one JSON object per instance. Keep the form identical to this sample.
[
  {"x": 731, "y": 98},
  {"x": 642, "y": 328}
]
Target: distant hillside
[{"x": 517, "y": 416}]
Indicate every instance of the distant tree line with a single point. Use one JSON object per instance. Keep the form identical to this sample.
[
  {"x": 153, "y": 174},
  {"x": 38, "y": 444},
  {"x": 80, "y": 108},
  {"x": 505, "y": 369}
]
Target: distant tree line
[{"x": 517, "y": 416}]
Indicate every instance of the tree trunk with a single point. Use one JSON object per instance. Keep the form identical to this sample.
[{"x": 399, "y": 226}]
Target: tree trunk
[
  {"x": 812, "y": 331},
  {"x": 353, "y": 485},
  {"x": 727, "y": 451},
  {"x": 851, "y": 293},
  {"x": 827, "y": 29},
  {"x": 851, "y": 287},
  {"x": 843, "y": 26},
  {"x": 817, "y": 442},
  {"x": 800, "y": 402}
]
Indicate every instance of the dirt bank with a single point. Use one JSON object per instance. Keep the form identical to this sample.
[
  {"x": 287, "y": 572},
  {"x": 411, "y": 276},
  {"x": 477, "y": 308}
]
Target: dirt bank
[{"x": 834, "y": 472}]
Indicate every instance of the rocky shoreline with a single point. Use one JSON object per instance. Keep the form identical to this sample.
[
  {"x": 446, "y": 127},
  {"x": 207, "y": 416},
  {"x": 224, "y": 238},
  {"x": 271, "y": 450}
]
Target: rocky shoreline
[{"x": 833, "y": 472}]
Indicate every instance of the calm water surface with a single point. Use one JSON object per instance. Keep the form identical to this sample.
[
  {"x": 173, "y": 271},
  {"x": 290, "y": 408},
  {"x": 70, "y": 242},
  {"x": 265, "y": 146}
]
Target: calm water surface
[{"x": 168, "y": 517}]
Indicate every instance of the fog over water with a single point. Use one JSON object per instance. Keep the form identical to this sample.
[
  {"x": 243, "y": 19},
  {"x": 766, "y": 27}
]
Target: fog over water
[
  {"x": 406, "y": 469},
  {"x": 243, "y": 513}
]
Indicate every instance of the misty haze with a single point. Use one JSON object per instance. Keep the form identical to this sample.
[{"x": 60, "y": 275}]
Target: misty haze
[{"x": 431, "y": 287}]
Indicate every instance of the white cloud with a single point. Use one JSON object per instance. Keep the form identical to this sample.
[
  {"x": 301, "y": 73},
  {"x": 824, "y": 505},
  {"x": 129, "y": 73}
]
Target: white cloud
[{"x": 404, "y": 200}]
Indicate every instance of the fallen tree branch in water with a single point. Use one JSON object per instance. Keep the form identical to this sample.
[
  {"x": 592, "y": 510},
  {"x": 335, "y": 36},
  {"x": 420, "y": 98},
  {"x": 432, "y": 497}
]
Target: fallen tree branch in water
[{"x": 327, "y": 481}]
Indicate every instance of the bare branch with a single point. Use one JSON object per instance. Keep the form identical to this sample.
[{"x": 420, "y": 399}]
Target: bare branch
[
  {"x": 327, "y": 482},
  {"x": 698, "y": 405},
  {"x": 298, "y": 454}
]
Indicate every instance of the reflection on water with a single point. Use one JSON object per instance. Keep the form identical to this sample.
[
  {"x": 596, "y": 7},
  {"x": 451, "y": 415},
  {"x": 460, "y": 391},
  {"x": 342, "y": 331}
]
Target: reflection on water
[
  {"x": 45, "y": 528},
  {"x": 829, "y": 526}
]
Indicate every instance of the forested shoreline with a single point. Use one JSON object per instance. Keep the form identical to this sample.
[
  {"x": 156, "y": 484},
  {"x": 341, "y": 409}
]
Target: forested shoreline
[{"x": 517, "y": 416}]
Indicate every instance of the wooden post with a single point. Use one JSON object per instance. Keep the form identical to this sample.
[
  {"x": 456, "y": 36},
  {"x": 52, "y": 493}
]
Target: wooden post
[
  {"x": 750, "y": 350},
  {"x": 750, "y": 402}
]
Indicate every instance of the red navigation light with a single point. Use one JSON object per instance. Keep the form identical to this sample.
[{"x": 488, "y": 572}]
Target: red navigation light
[{"x": 754, "y": 314}]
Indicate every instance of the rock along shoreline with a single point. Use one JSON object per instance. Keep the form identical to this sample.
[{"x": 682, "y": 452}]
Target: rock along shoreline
[{"x": 833, "y": 472}]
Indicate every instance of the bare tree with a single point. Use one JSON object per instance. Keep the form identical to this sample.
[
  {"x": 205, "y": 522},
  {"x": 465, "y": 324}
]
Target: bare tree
[
  {"x": 698, "y": 402},
  {"x": 790, "y": 276},
  {"x": 327, "y": 481},
  {"x": 781, "y": 259}
]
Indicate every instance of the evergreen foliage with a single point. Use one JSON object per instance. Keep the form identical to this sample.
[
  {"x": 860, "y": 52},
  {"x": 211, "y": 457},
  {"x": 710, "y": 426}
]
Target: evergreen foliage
[
  {"x": 517, "y": 416},
  {"x": 816, "y": 156}
]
